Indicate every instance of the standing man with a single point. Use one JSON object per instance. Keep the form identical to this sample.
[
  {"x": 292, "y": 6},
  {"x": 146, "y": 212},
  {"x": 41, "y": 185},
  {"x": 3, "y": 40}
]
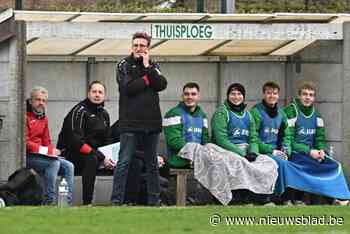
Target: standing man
[
  {"x": 139, "y": 81},
  {"x": 42, "y": 156},
  {"x": 185, "y": 123},
  {"x": 85, "y": 128}
]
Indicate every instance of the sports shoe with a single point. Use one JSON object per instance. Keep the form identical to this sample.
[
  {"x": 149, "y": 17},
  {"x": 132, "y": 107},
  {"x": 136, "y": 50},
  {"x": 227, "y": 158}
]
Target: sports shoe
[
  {"x": 299, "y": 203},
  {"x": 288, "y": 203},
  {"x": 338, "y": 202},
  {"x": 269, "y": 204}
]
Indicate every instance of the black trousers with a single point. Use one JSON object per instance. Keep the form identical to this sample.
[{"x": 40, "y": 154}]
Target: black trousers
[
  {"x": 134, "y": 182},
  {"x": 244, "y": 196},
  {"x": 136, "y": 186},
  {"x": 86, "y": 166}
]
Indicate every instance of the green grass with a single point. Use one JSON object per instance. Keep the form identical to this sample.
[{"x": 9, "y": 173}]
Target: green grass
[{"x": 165, "y": 220}]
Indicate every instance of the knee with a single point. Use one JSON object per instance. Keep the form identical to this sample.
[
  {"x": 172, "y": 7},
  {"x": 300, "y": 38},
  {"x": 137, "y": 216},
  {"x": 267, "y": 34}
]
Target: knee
[
  {"x": 55, "y": 164},
  {"x": 91, "y": 159},
  {"x": 70, "y": 167}
]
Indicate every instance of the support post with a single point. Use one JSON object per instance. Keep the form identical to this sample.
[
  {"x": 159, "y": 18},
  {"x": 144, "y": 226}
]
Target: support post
[
  {"x": 228, "y": 6},
  {"x": 16, "y": 103},
  {"x": 346, "y": 98},
  {"x": 200, "y": 6},
  {"x": 90, "y": 71},
  {"x": 18, "y": 5}
]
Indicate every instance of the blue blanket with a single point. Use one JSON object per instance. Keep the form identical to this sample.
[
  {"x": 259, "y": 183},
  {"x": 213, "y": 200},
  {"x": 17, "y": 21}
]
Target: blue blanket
[{"x": 306, "y": 174}]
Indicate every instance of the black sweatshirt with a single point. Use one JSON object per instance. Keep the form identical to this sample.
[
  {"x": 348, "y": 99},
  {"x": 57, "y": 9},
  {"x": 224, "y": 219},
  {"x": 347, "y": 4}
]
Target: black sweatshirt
[{"x": 139, "y": 109}]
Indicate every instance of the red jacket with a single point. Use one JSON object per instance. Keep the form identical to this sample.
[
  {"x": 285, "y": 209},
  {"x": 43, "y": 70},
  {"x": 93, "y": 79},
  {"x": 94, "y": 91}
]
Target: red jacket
[{"x": 38, "y": 136}]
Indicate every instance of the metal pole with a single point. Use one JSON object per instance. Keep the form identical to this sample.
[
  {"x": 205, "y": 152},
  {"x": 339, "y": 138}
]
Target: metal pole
[
  {"x": 200, "y": 6},
  {"x": 18, "y": 5},
  {"x": 228, "y": 6},
  {"x": 90, "y": 71}
]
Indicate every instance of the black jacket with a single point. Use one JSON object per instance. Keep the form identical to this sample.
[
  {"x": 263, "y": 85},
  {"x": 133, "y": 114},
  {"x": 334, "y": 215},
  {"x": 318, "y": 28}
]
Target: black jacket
[
  {"x": 139, "y": 109},
  {"x": 86, "y": 123}
]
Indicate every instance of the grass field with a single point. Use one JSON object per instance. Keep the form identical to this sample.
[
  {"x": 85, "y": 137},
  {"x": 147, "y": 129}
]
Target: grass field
[{"x": 169, "y": 220}]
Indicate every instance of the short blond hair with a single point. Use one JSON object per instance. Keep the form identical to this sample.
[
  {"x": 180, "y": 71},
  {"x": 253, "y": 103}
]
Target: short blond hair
[{"x": 306, "y": 85}]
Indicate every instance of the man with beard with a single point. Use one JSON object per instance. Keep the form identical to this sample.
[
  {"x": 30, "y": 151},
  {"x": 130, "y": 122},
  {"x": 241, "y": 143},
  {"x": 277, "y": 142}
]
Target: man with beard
[
  {"x": 42, "y": 156},
  {"x": 185, "y": 123}
]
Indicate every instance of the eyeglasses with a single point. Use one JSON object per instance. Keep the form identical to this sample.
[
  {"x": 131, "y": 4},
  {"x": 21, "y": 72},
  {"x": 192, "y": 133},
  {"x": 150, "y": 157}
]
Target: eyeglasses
[{"x": 142, "y": 46}]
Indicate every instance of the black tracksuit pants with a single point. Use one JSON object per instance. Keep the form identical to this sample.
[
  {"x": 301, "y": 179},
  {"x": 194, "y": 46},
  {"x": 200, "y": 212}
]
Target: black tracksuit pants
[{"x": 86, "y": 166}]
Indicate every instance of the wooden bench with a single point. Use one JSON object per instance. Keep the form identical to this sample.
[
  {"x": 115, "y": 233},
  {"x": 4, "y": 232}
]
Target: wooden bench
[{"x": 181, "y": 184}]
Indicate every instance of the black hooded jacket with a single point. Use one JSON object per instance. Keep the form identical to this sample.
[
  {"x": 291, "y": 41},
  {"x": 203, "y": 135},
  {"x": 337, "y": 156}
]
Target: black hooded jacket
[
  {"x": 139, "y": 109},
  {"x": 86, "y": 123}
]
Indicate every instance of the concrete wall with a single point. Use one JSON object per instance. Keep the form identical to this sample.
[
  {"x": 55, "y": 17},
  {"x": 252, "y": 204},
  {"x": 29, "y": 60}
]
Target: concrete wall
[
  {"x": 11, "y": 102},
  {"x": 4, "y": 101}
]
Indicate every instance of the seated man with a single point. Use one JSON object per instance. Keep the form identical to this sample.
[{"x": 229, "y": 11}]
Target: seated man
[
  {"x": 85, "y": 128},
  {"x": 185, "y": 123},
  {"x": 42, "y": 156},
  {"x": 272, "y": 128},
  {"x": 318, "y": 173},
  {"x": 233, "y": 129}
]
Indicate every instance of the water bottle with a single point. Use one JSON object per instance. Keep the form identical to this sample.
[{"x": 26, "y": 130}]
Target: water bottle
[
  {"x": 63, "y": 194},
  {"x": 331, "y": 151},
  {"x": 2, "y": 203}
]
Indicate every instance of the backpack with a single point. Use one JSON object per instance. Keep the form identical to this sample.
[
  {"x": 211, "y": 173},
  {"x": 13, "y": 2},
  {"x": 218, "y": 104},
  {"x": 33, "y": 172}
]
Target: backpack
[{"x": 24, "y": 187}]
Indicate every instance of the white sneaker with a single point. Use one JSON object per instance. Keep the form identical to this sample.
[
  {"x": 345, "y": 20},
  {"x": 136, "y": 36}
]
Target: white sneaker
[
  {"x": 299, "y": 203},
  {"x": 270, "y": 204},
  {"x": 341, "y": 202},
  {"x": 288, "y": 203}
]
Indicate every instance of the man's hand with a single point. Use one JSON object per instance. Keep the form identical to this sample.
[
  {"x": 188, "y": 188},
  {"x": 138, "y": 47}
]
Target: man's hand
[
  {"x": 146, "y": 58},
  {"x": 316, "y": 154},
  {"x": 109, "y": 163},
  {"x": 56, "y": 152},
  {"x": 161, "y": 161},
  {"x": 322, "y": 154},
  {"x": 279, "y": 153}
]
